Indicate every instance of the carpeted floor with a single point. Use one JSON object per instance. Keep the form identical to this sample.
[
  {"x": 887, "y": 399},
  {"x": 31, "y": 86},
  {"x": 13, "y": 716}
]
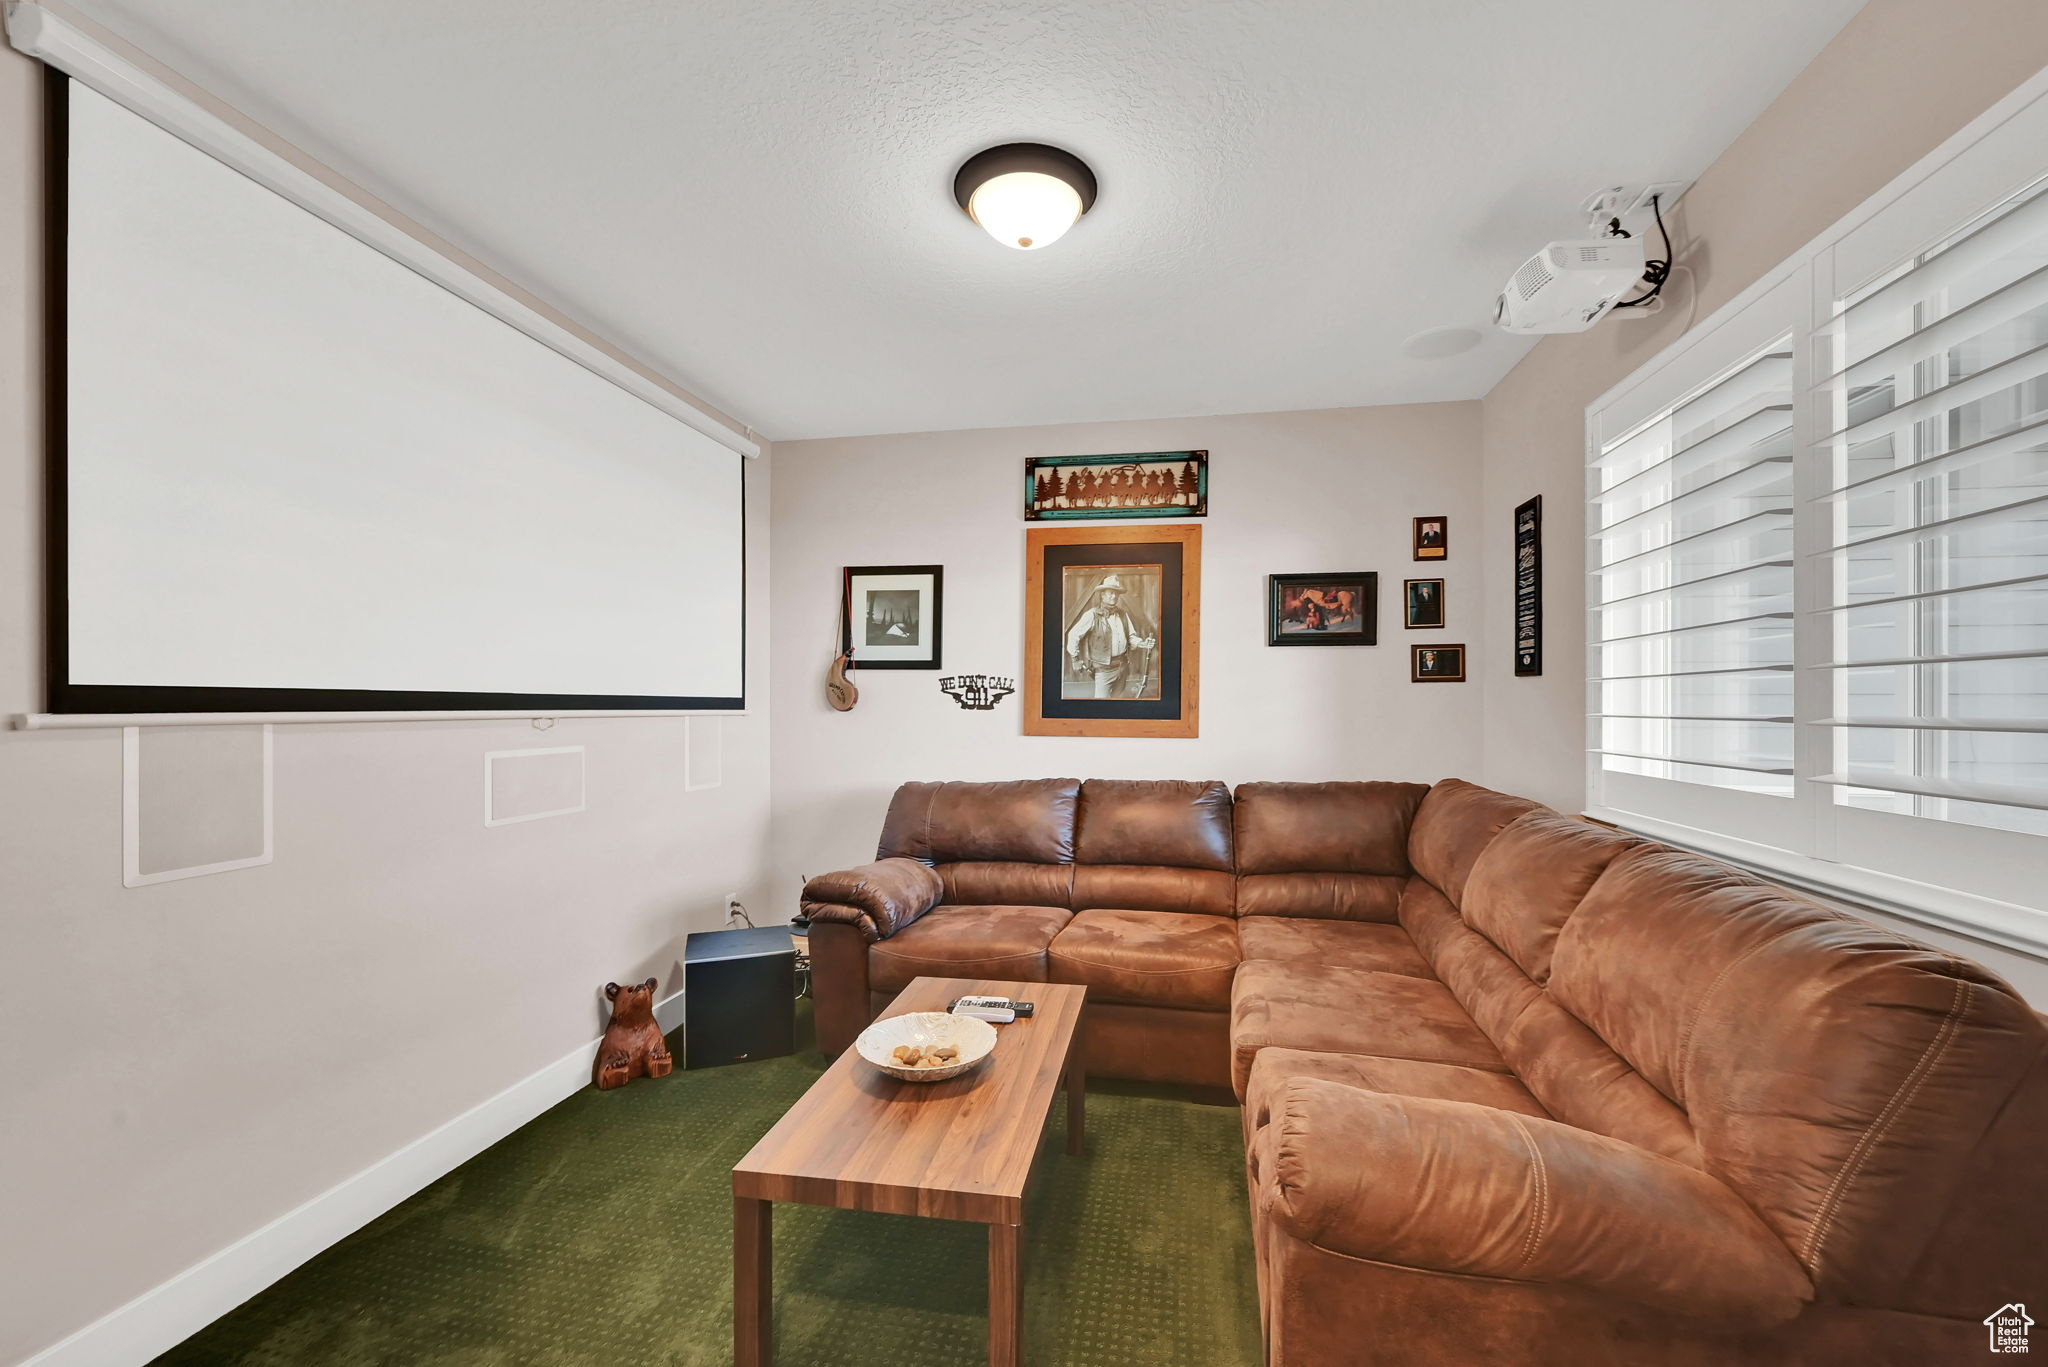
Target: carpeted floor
[{"x": 602, "y": 1233}]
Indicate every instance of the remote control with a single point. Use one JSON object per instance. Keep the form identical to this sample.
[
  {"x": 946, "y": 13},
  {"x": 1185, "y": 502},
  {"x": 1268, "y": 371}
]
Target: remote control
[{"x": 994, "y": 1010}]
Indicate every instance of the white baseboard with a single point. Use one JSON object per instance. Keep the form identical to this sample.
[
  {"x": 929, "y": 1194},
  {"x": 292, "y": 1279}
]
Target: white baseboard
[{"x": 168, "y": 1314}]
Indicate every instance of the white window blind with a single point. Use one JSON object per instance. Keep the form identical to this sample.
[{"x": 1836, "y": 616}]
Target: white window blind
[
  {"x": 1692, "y": 573},
  {"x": 1817, "y": 564},
  {"x": 1936, "y": 505}
]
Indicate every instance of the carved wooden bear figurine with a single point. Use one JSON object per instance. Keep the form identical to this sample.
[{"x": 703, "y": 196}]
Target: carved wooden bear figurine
[{"x": 632, "y": 1045}]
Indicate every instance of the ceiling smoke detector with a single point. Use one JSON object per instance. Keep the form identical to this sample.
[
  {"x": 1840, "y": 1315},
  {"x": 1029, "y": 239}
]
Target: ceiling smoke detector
[
  {"x": 1025, "y": 194},
  {"x": 1440, "y": 343}
]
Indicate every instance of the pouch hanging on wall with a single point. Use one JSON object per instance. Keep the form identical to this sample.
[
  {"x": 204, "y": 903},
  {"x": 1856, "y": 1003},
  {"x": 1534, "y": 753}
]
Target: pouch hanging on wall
[{"x": 839, "y": 690}]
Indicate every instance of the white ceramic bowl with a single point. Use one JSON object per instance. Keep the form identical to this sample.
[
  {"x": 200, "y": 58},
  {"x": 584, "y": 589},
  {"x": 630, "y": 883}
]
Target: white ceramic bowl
[{"x": 975, "y": 1039}]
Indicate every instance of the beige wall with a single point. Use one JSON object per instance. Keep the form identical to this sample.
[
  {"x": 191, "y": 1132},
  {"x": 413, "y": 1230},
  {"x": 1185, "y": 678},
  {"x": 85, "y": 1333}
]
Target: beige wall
[
  {"x": 183, "y": 1063},
  {"x": 1900, "y": 79},
  {"x": 1329, "y": 490}
]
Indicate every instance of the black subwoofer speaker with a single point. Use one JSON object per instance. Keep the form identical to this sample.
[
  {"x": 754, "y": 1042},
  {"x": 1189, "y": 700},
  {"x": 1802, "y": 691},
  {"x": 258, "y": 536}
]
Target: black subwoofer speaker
[{"x": 739, "y": 996}]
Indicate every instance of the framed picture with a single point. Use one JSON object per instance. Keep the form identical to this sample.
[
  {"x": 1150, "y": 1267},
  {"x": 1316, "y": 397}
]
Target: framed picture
[
  {"x": 1529, "y": 587},
  {"x": 893, "y": 616},
  {"x": 1144, "y": 484},
  {"x": 1436, "y": 664},
  {"x": 1323, "y": 609},
  {"x": 1422, "y": 603},
  {"x": 1112, "y": 631},
  {"x": 1432, "y": 538}
]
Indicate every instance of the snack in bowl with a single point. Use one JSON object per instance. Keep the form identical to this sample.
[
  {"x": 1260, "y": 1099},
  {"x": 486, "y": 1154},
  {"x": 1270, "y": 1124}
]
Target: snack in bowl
[{"x": 926, "y": 1046}]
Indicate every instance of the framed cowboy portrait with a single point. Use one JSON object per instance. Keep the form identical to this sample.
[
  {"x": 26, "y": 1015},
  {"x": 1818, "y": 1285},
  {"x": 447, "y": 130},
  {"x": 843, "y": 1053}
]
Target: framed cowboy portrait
[{"x": 1112, "y": 631}]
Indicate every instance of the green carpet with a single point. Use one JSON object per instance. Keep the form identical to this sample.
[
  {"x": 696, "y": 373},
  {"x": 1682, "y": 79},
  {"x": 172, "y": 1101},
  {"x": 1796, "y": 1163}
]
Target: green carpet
[{"x": 602, "y": 1233}]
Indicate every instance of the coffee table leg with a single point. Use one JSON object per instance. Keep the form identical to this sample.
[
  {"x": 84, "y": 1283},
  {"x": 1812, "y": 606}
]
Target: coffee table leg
[
  {"x": 1077, "y": 1104},
  {"x": 753, "y": 1282},
  {"x": 1005, "y": 1295}
]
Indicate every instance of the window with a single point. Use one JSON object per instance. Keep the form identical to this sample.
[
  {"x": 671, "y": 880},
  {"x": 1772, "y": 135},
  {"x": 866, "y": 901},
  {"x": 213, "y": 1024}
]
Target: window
[
  {"x": 1692, "y": 577},
  {"x": 1817, "y": 566},
  {"x": 1936, "y": 577}
]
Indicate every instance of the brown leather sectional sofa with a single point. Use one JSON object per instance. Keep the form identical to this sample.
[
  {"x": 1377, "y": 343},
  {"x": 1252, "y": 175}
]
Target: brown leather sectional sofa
[{"x": 1517, "y": 1088}]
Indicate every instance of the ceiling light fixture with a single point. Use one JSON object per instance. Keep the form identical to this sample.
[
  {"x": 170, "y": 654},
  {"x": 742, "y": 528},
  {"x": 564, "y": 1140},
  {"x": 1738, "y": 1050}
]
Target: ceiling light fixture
[{"x": 1025, "y": 194}]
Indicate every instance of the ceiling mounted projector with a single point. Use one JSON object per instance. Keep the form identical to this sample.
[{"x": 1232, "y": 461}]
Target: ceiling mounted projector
[{"x": 1569, "y": 286}]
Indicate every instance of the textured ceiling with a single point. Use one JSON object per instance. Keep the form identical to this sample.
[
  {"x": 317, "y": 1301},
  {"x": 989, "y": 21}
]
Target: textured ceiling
[{"x": 755, "y": 197}]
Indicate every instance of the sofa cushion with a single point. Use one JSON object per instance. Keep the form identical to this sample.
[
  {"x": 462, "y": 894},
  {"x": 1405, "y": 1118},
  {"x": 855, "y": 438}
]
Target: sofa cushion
[
  {"x": 1531, "y": 878},
  {"x": 1029, "y": 821},
  {"x": 1153, "y": 887},
  {"x": 1571, "y": 1070},
  {"x": 1148, "y": 958},
  {"x": 1340, "y": 944},
  {"x": 1325, "y": 827},
  {"x": 1482, "y": 1192},
  {"x": 1453, "y": 827},
  {"x": 967, "y": 942},
  {"x": 998, "y": 883},
  {"x": 1335, "y": 896},
  {"x": 1179, "y": 823},
  {"x": 1395, "y": 1076},
  {"x": 1349, "y": 1011},
  {"x": 1837, "y": 1075}
]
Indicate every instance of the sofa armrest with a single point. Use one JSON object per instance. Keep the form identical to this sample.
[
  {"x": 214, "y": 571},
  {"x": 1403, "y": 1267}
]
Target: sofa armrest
[
  {"x": 1449, "y": 1186},
  {"x": 879, "y": 898}
]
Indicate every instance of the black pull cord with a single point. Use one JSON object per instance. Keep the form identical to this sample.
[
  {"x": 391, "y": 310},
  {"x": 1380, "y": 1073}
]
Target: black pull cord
[{"x": 1655, "y": 272}]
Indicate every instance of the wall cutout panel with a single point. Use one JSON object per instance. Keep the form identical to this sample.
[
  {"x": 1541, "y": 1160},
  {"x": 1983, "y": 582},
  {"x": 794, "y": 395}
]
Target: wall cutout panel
[
  {"x": 703, "y": 753},
  {"x": 526, "y": 785},
  {"x": 194, "y": 800}
]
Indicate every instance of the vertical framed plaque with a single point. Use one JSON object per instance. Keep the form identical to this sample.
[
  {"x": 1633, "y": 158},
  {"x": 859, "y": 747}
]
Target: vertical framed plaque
[{"x": 1529, "y": 587}]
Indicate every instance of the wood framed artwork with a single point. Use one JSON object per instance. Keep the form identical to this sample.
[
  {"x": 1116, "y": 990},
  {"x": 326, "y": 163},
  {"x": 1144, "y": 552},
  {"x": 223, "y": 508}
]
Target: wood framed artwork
[
  {"x": 893, "y": 616},
  {"x": 1422, "y": 603},
  {"x": 1436, "y": 664},
  {"x": 1432, "y": 538},
  {"x": 1529, "y": 587},
  {"x": 1143, "y": 484},
  {"x": 1112, "y": 631},
  {"x": 1323, "y": 609}
]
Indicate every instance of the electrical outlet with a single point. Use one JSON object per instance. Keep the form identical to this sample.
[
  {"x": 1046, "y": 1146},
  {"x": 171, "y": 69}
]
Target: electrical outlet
[{"x": 733, "y": 910}]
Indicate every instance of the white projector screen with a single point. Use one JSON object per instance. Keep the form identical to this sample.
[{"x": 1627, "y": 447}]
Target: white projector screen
[{"x": 298, "y": 476}]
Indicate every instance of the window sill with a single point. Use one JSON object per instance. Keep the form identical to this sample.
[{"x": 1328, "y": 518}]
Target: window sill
[{"x": 2006, "y": 924}]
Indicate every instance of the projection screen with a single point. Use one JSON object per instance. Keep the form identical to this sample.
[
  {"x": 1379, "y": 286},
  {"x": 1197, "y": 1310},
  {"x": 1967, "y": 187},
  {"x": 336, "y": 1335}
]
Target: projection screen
[{"x": 297, "y": 476}]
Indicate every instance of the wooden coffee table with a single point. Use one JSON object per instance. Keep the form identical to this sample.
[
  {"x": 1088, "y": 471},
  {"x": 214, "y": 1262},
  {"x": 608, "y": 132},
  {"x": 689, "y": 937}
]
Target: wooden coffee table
[{"x": 957, "y": 1150}]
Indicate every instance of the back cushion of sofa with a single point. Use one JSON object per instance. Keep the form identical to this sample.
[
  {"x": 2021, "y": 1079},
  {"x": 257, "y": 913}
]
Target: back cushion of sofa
[
  {"x": 1334, "y": 850},
  {"x": 1030, "y": 821},
  {"x": 1572, "y": 1071},
  {"x": 1837, "y": 1076},
  {"x": 1453, "y": 827},
  {"x": 1181, "y": 823},
  {"x": 1154, "y": 845},
  {"x": 1531, "y": 878}
]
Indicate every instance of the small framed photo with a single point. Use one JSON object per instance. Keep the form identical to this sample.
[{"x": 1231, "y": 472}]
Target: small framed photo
[
  {"x": 1323, "y": 609},
  {"x": 1436, "y": 664},
  {"x": 1432, "y": 538},
  {"x": 892, "y": 616},
  {"x": 1422, "y": 603}
]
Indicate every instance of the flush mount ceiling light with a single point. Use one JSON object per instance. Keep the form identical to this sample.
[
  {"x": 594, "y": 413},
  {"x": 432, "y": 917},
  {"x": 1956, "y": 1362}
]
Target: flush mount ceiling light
[{"x": 1025, "y": 194}]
